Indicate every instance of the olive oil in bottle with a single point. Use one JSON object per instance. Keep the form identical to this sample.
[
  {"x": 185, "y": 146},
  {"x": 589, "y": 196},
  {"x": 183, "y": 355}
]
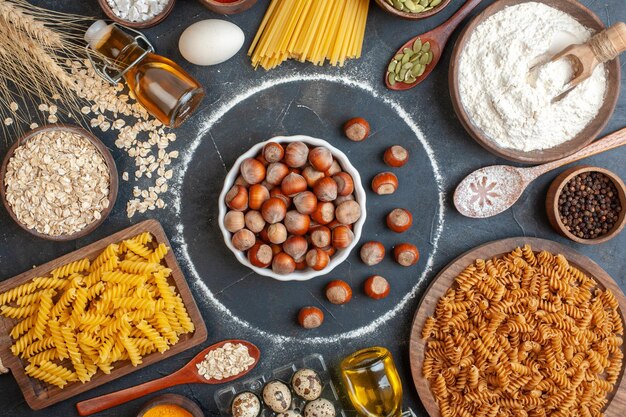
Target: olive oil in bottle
[
  {"x": 160, "y": 85},
  {"x": 373, "y": 383}
]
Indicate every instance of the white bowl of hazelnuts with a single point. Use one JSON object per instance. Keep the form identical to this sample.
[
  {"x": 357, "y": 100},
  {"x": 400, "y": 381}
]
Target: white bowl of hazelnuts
[{"x": 292, "y": 208}]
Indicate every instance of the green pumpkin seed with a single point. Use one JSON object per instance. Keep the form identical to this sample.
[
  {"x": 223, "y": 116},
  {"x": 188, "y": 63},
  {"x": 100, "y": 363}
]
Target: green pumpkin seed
[
  {"x": 426, "y": 47},
  {"x": 402, "y": 73},
  {"x": 397, "y": 78},
  {"x": 428, "y": 8},
  {"x": 410, "y": 79},
  {"x": 415, "y": 57},
  {"x": 409, "y": 4},
  {"x": 424, "y": 59},
  {"x": 430, "y": 57},
  {"x": 391, "y": 78},
  {"x": 406, "y": 58},
  {"x": 398, "y": 57},
  {"x": 392, "y": 66},
  {"x": 398, "y": 68},
  {"x": 416, "y": 70},
  {"x": 424, "y": 3},
  {"x": 417, "y": 45},
  {"x": 421, "y": 71},
  {"x": 435, "y": 3},
  {"x": 408, "y": 65},
  {"x": 407, "y": 51},
  {"x": 398, "y": 4}
]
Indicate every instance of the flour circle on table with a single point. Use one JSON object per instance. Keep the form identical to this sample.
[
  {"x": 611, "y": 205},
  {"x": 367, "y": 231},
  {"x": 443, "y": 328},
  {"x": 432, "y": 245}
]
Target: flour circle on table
[{"x": 204, "y": 133}]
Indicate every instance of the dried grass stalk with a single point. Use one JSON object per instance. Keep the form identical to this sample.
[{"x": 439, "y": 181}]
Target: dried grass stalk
[{"x": 37, "y": 47}]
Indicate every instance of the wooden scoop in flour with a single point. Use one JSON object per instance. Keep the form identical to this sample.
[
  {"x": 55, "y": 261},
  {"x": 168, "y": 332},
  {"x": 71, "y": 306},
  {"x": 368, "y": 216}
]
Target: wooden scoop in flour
[{"x": 585, "y": 57}]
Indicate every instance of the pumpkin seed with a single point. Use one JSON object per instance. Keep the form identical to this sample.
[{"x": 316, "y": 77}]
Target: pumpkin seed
[
  {"x": 410, "y": 79},
  {"x": 406, "y": 58},
  {"x": 408, "y": 65},
  {"x": 430, "y": 57},
  {"x": 398, "y": 57},
  {"x": 424, "y": 59},
  {"x": 398, "y": 68},
  {"x": 408, "y": 51},
  {"x": 392, "y": 66},
  {"x": 435, "y": 3},
  {"x": 417, "y": 45},
  {"x": 421, "y": 71},
  {"x": 424, "y": 3},
  {"x": 397, "y": 78},
  {"x": 416, "y": 70},
  {"x": 402, "y": 73},
  {"x": 426, "y": 47},
  {"x": 415, "y": 57},
  {"x": 398, "y": 4},
  {"x": 392, "y": 78},
  {"x": 427, "y": 8},
  {"x": 419, "y": 8}
]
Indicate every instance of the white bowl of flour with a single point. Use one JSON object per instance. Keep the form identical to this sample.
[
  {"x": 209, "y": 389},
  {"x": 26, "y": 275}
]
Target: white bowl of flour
[{"x": 508, "y": 108}]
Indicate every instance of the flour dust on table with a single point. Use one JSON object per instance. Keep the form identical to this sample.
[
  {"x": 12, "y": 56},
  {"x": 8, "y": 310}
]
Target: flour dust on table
[{"x": 512, "y": 104}]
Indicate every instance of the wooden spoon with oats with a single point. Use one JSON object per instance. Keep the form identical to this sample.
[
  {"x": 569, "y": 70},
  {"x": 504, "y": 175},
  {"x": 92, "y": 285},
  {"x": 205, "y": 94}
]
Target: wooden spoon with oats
[{"x": 189, "y": 374}]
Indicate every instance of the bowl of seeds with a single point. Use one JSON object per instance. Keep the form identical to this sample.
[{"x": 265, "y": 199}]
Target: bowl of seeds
[
  {"x": 587, "y": 204},
  {"x": 59, "y": 182},
  {"x": 413, "y": 9}
]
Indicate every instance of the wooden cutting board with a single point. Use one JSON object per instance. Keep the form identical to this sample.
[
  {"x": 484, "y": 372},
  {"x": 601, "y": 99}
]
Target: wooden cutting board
[
  {"x": 445, "y": 279},
  {"x": 39, "y": 394}
]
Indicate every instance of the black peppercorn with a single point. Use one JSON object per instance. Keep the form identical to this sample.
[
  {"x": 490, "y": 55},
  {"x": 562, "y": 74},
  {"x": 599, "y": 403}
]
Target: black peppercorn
[{"x": 589, "y": 205}]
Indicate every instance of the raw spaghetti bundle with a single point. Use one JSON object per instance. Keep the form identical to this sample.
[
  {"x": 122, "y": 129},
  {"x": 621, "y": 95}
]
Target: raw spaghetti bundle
[{"x": 310, "y": 30}]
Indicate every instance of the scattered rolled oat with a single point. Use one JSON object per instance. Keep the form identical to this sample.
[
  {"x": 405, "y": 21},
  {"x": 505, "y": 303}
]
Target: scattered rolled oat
[
  {"x": 224, "y": 362},
  {"x": 57, "y": 183}
]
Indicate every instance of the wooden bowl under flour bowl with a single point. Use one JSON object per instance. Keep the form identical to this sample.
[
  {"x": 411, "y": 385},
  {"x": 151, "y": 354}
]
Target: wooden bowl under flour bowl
[
  {"x": 588, "y": 19},
  {"x": 552, "y": 203}
]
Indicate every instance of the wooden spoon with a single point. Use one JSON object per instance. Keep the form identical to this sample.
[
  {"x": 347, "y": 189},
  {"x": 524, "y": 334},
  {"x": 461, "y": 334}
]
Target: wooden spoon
[
  {"x": 585, "y": 57},
  {"x": 186, "y": 375},
  {"x": 438, "y": 38},
  {"x": 491, "y": 190}
]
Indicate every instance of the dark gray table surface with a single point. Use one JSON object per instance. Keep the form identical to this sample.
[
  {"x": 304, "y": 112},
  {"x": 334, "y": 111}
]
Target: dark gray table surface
[{"x": 243, "y": 107}]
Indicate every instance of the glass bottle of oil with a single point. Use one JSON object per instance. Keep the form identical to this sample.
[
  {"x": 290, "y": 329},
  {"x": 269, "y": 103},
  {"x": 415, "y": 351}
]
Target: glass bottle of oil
[
  {"x": 373, "y": 384},
  {"x": 160, "y": 85}
]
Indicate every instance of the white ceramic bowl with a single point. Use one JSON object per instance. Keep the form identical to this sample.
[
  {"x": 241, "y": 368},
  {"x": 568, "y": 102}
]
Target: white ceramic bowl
[{"x": 341, "y": 254}]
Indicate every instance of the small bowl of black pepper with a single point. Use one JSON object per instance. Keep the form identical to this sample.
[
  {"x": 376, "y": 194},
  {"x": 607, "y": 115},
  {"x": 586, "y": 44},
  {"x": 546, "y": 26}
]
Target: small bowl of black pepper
[{"x": 587, "y": 204}]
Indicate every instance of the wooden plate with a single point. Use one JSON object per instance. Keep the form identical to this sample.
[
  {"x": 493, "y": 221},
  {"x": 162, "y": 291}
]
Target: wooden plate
[
  {"x": 585, "y": 17},
  {"x": 40, "y": 395},
  {"x": 445, "y": 279}
]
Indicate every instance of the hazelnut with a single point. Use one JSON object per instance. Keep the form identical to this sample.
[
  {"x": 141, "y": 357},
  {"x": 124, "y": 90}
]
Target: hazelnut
[
  {"x": 330, "y": 251},
  {"x": 293, "y": 184},
  {"x": 348, "y": 212},
  {"x": 301, "y": 263},
  {"x": 320, "y": 158},
  {"x": 338, "y": 292},
  {"x": 372, "y": 253},
  {"x": 305, "y": 202},
  {"x": 345, "y": 184},
  {"x": 343, "y": 198},
  {"x": 273, "y": 210},
  {"x": 295, "y": 246},
  {"x": 276, "y": 249},
  {"x": 325, "y": 189},
  {"x": 399, "y": 220},
  {"x": 243, "y": 239},
  {"x": 283, "y": 264},
  {"x": 267, "y": 185},
  {"x": 252, "y": 171},
  {"x": 320, "y": 237},
  {"x": 385, "y": 183},
  {"x": 324, "y": 213},
  {"x": 335, "y": 168},
  {"x": 277, "y": 233},
  {"x": 257, "y": 194},
  {"x": 297, "y": 223},
  {"x": 278, "y": 193},
  {"x": 311, "y": 175},
  {"x": 254, "y": 221},
  {"x": 310, "y": 317},
  {"x": 396, "y": 156},
  {"x": 376, "y": 287},
  {"x": 260, "y": 255},
  {"x": 296, "y": 154},
  {"x": 261, "y": 159},
  {"x": 237, "y": 198},
  {"x": 240, "y": 181},
  {"x": 234, "y": 221},
  {"x": 406, "y": 254},
  {"x": 273, "y": 152},
  {"x": 276, "y": 172},
  {"x": 342, "y": 237},
  {"x": 317, "y": 259},
  {"x": 356, "y": 129}
]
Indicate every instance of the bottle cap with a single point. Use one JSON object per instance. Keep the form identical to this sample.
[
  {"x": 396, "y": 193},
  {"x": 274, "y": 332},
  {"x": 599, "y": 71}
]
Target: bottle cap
[{"x": 96, "y": 32}]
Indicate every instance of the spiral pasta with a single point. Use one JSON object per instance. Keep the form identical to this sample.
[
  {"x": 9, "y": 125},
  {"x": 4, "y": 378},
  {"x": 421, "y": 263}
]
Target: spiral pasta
[
  {"x": 523, "y": 334},
  {"x": 84, "y": 317}
]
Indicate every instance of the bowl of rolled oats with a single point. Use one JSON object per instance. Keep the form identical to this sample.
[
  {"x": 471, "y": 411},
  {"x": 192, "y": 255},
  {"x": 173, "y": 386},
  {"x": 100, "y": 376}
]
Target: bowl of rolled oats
[{"x": 59, "y": 182}]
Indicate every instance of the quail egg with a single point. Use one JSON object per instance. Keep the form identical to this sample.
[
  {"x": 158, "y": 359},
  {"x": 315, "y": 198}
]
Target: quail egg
[
  {"x": 307, "y": 384},
  {"x": 319, "y": 408},
  {"x": 277, "y": 396},
  {"x": 246, "y": 404},
  {"x": 289, "y": 413}
]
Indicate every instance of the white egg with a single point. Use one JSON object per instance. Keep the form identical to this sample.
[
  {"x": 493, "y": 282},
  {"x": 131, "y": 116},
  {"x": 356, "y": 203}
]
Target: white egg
[{"x": 210, "y": 42}]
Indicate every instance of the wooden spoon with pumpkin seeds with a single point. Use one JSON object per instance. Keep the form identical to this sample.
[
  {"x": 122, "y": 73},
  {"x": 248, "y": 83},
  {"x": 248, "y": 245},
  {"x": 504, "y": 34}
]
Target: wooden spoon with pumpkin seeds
[{"x": 420, "y": 54}]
